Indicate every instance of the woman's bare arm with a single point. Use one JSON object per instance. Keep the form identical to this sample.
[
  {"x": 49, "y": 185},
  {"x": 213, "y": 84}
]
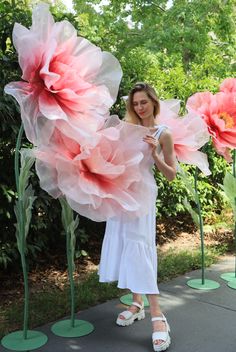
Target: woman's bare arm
[{"x": 167, "y": 166}]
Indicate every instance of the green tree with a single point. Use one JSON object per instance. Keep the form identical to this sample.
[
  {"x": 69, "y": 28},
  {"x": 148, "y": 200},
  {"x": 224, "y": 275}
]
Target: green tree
[{"x": 185, "y": 29}]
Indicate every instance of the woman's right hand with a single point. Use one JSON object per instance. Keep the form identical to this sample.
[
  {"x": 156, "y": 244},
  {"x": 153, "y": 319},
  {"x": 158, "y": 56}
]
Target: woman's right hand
[{"x": 153, "y": 142}]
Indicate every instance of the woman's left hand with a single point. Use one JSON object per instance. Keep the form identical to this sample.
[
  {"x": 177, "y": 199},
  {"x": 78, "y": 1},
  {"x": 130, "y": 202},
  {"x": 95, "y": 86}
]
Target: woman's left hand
[{"x": 152, "y": 141}]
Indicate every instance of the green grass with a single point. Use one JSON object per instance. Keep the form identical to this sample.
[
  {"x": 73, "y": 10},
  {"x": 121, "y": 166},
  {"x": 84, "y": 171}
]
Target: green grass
[
  {"x": 50, "y": 305},
  {"x": 172, "y": 264}
]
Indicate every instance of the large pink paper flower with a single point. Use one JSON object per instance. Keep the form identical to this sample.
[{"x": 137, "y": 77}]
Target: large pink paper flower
[
  {"x": 228, "y": 85},
  {"x": 65, "y": 77},
  {"x": 189, "y": 134},
  {"x": 219, "y": 113},
  {"x": 110, "y": 179}
]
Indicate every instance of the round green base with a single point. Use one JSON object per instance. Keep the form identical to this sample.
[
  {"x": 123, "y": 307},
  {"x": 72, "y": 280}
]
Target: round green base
[
  {"x": 15, "y": 341},
  {"x": 228, "y": 276},
  {"x": 128, "y": 299},
  {"x": 63, "y": 328},
  {"x": 208, "y": 284},
  {"x": 232, "y": 284}
]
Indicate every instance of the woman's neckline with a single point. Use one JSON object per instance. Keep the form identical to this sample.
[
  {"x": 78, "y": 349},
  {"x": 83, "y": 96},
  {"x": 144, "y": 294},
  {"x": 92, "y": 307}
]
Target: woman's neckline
[{"x": 153, "y": 128}]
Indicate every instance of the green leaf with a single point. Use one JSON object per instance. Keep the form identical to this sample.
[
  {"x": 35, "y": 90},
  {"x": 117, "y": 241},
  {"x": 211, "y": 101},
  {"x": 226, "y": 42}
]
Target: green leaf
[
  {"x": 192, "y": 212},
  {"x": 184, "y": 176},
  {"x": 28, "y": 214},
  {"x": 229, "y": 187},
  {"x": 83, "y": 253},
  {"x": 67, "y": 213},
  {"x": 26, "y": 163}
]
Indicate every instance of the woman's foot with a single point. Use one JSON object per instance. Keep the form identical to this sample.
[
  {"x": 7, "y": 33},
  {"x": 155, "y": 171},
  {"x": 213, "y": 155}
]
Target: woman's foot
[
  {"x": 134, "y": 312},
  {"x": 160, "y": 337}
]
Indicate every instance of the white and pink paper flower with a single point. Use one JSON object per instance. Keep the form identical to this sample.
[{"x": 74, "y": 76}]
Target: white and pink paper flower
[
  {"x": 219, "y": 112},
  {"x": 102, "y": 181},
  {"x": 64, "y": 78},
  {"x": 189, "y": 134},
  {"x": 228, "y": 85}
]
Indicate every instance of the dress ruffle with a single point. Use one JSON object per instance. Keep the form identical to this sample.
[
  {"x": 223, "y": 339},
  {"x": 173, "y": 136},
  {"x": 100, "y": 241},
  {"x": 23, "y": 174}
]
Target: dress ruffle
[{"x": 129, "y": 254}]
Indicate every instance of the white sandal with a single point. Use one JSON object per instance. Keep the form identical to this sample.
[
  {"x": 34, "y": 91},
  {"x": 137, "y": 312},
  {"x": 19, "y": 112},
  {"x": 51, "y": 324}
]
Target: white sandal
[
  {"x": 161, "y": 335},
  {"x": 130, "y": 317}
]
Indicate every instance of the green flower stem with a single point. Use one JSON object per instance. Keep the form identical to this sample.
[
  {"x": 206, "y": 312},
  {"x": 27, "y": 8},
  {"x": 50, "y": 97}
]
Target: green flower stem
[
  {"x": 235, "y": 241},
  {"x": 234, "y": 174},
  {"x": 234, "y": 163},
  {"x": 70, "y": 225},
  {"x": 21, "y": 246},
  {"x": 26, "y": 292},
  {"x": 200, "y": 224},
  {"x": 70, "y": 263}
]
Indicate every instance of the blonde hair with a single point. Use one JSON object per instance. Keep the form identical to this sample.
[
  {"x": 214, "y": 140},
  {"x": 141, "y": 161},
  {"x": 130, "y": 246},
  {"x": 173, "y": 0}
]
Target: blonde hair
[{"x": 131, "y": 115}]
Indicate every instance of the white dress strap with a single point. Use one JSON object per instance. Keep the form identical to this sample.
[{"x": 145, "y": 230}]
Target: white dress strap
[{"x": 159, "y": 131}]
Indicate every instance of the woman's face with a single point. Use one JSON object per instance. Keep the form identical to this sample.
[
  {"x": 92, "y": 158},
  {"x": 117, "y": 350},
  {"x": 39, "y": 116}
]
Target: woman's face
[{"x": 143, "y": 105}]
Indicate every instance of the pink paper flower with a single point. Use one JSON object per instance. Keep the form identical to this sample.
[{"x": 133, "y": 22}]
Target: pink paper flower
[
  {"x": 189, "y": 134},
  {"x": 65, "y": 77},
  {"x": 102, "y": 181},
  {"x": 219, "y": 113},
  {"x": 228, "y": 85}
]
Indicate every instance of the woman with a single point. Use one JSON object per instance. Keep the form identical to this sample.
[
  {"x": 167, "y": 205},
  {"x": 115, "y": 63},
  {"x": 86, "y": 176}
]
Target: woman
[{"x": 129, "y": 249}]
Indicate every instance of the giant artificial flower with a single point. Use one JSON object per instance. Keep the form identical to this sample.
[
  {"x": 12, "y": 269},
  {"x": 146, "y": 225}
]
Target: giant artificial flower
[
  {"x": 110, "y": 179},
  {"x": 228, "y": 85},
  {"x": 65, "y": 77},
  {"x": 219, "y": 113},
  {"x": 189, "y": 134}
]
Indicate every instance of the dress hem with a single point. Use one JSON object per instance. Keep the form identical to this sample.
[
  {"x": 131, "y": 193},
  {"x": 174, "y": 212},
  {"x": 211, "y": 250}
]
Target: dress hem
[{"x": 109, "y": 281}]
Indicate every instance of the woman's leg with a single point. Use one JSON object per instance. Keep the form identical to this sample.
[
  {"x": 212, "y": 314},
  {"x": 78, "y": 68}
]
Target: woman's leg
[{"x": 155, "y": 311}]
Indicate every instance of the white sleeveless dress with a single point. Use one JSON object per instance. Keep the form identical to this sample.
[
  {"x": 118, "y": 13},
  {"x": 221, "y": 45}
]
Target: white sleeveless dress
[{"x": 129, "y": 253}]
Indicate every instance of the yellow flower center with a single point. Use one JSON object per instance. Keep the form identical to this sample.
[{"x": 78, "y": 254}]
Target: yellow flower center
[{"x": 229, "y": 121}]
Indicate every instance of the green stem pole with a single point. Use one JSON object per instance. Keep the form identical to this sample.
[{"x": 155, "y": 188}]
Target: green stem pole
[
  {"x": 200, "y": 224},
  {"x": 70, "y": 270},
  {"x": 235, "y": 241},
  {"x": 234, "y": 174},
  {"x": 22, "y": 233},
  {"x": 26, "y": 292},
  {"x": 234, "y": 163}
]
